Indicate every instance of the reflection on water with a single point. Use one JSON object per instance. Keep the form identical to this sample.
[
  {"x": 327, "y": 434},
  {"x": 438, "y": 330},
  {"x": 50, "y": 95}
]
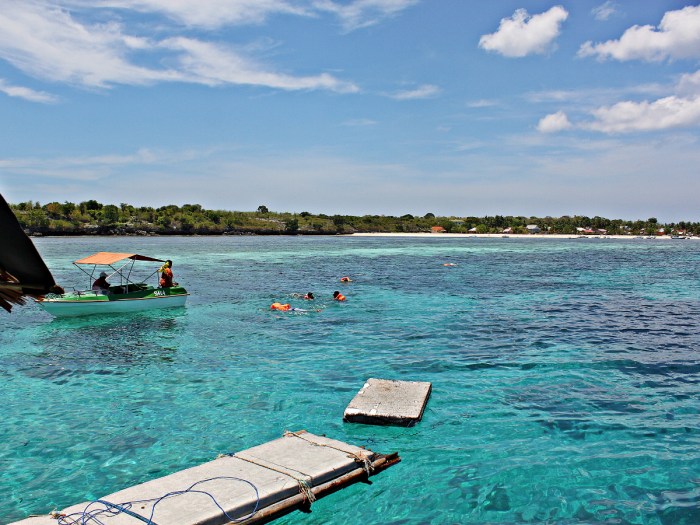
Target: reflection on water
[{"x": 70, "y": 348}]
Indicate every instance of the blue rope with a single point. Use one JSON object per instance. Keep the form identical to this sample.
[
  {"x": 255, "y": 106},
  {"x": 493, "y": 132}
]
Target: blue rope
[{"x": 112, "y": 509}]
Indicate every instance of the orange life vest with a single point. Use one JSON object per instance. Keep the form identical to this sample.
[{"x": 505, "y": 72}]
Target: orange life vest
[
  {"x": 340, "y": 297},
  {"x": 166, "y": 278},
  {"x": 281, "y": 307}
]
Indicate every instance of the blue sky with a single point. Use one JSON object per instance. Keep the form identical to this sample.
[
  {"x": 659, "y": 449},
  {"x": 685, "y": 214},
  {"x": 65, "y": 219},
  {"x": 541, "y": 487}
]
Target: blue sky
[{"x": 455, "y": 107}]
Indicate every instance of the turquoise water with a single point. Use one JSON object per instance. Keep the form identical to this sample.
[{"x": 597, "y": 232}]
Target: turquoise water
[{"x": 565, "y": 375}]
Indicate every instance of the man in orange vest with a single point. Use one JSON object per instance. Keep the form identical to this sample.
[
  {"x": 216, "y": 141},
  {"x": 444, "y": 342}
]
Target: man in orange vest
[
  {"x": 338, "y": 296},
  {"x": 166, "y": 275}
]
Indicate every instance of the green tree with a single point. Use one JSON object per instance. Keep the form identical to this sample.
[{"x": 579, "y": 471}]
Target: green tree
[
  {"x": 291, "y": 225},
  {"x": 67, "y": 208},
  {"x": 110, "y": 214},
  {"x": 54, "y": 209},
  {"x": 91, "y": 205}
]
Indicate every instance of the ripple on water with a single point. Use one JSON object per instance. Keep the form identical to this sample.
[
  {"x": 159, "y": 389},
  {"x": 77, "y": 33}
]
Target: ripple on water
[{"x": 565, "y": 376}]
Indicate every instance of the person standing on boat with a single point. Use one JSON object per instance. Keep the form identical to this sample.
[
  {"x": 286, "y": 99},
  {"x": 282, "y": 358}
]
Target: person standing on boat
[
  {"x": 166, "y": 275},
  {"x": 101, "y": 284}
]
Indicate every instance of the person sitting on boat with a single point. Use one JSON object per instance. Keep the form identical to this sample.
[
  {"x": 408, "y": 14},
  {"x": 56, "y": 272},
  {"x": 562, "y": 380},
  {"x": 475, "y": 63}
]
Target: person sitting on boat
[
  {"x": 338, "y": 296},
  {"x": 101, "y": 284},
  {"x": 166, "y": 275}
]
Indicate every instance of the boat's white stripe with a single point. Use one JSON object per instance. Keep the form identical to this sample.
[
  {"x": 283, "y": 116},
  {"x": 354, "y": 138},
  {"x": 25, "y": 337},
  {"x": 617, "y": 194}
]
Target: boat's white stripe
[{"x": 80, "y": 301}]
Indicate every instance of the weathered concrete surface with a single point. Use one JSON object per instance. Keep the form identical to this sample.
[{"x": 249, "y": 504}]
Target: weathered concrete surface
[
  {"x": 274, "y": 469},
  {"x": 389, "y": 402}
]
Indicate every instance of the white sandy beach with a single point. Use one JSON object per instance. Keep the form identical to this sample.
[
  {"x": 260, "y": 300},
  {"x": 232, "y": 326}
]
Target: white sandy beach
[{"x": 519, "y": 236}]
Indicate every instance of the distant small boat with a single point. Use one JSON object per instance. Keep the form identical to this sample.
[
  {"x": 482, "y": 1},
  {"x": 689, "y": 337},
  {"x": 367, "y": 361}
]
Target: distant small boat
[{"x": 128, "y": 296}]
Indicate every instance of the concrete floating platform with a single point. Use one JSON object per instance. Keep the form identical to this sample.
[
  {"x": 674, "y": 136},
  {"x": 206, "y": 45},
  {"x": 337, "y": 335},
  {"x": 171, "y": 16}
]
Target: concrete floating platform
[
  {"x": 254, "y": 486},
  {"x": 388, "y": 402}
]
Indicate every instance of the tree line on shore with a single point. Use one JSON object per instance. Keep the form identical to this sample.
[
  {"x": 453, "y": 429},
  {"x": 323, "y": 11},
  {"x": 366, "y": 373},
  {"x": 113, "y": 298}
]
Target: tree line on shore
[{"x": 94, "y": 218}]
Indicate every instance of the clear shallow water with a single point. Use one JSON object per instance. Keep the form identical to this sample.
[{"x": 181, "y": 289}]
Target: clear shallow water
[{"x": 566, "y": 376}]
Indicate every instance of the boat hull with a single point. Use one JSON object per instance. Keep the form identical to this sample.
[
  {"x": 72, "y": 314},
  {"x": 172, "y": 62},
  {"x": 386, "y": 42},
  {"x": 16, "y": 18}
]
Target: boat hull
[{"x": 73, "y": 305}]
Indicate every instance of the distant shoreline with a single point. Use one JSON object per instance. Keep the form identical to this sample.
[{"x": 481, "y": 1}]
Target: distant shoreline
[
  {"x": 519, "y": 236},
  {"x": 418, "y": 235}
]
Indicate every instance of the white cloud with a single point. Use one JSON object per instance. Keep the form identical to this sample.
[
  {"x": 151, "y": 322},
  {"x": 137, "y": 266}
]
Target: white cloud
[
  {"x": 424, "y": 91},
  {"x": 227, "y": 178},
  {"x": 26, "y": 93},
  {"x": 553, "y": 123},
  {"x": 218, "y": 13},
  {"x": 209, "y": 64},
  {"x": 523, "y": 35},
  {"x": 604, "y": 11},
  {"x": 360, "y": 122},
  {"x": 594, "y": 96},
  {"x": 689, "y": 84},
  {"x": 482, "y": 103},
  {"x": 363, "y": 13},
  {"x": 665, "y": 113},
  {"x": 677, "y": 37},
  {"x": 208, "y": 14},
  {"x": 48, "y": 43},
  {"x": 86, "y": 168},
  {"x": 679, "y": 110}
]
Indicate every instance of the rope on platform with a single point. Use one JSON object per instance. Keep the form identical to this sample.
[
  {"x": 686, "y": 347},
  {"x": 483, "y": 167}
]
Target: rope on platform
[
  {"x": 366, "y": 463},
  {"x": 304, "y": 487},
  {"x": 87, "y": 516}
]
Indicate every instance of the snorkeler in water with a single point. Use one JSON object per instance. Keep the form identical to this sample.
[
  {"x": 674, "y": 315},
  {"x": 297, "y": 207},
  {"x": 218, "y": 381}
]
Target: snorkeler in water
[{"x": 286, "y": 307}]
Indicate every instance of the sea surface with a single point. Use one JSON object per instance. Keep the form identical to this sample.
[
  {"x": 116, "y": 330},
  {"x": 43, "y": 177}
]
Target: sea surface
[{"x": 566, "y": 375}]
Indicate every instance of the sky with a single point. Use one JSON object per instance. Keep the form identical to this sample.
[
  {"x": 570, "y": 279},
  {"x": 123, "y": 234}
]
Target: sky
[{"x": 386, "y": 107}]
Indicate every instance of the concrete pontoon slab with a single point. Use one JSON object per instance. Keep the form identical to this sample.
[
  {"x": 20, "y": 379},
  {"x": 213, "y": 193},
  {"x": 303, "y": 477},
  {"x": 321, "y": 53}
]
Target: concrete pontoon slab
[
  {"x": 389, "y": 402},
  {"x": 283, "y": 475}
]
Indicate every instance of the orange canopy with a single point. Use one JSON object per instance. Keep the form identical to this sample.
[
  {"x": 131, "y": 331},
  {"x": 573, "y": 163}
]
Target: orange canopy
[{"x": 108, "y": 258}]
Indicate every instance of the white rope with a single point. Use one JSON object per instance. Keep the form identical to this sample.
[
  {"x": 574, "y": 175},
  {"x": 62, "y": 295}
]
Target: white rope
[
  {"x": 304, "y": 487},
  {"x": 366, "y": 463}
]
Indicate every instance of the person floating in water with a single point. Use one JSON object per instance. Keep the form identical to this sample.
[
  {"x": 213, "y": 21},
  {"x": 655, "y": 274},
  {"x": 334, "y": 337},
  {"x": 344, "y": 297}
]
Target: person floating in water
[
  {"x": 309, "y": 296},
  {"x": 166, "y": 275},
  {"x": 338, "y": 296},
  {"x": 345, "y": 279},
  {"x": 281, "y": 307},
  {"x": 286, "y": 307}
]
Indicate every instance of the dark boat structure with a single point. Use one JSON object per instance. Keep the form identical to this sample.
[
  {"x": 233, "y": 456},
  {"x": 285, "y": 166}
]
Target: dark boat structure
[{"x": 22, "y": 270}]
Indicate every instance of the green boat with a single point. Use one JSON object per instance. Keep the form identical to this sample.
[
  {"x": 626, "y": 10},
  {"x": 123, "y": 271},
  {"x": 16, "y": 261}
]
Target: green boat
[{"x": 127, "y": 296}]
